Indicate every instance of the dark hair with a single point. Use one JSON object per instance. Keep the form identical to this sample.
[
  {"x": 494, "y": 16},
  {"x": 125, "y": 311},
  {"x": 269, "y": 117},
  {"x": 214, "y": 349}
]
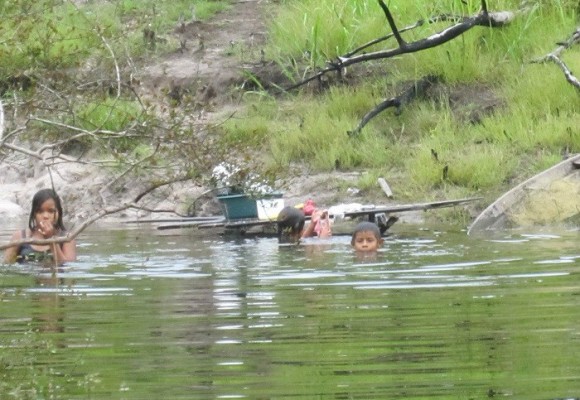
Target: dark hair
[
  {"x": 366, "y": 227},
  {"x": 290, "y": 222},
  {"x": 40, "y": 197}
]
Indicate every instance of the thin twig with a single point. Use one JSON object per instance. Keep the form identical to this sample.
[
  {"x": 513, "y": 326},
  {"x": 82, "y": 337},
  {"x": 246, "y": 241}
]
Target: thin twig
[
  {"x": 484, "y": 18},
  {"x": 392, "y": 24},
  {"x": 106, "y": 43}
]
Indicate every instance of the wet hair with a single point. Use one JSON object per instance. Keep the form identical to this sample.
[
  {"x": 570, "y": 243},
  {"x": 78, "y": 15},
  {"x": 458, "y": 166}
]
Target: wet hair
[
  {"x": 40, "y": 197},
  {"x": 290, "y": 223},
  {"x": 366, "y": 227}
]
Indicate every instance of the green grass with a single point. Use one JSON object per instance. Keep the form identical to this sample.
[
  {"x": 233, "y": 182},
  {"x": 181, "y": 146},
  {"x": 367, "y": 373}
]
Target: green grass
[
  {"x": 111, "y": 114},
  {"x": 534, "y": 121},
  {"x": 51, "y": 34}
]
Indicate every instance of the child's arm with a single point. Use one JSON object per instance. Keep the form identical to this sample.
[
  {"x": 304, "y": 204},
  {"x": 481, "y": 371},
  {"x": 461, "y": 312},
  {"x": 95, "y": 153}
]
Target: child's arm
[
  {"x": 11, "y": 253},
  {"x": 324, "y": 226},
  {"x": 66, "y": 252},
  {"x": 319, "y": 225}
]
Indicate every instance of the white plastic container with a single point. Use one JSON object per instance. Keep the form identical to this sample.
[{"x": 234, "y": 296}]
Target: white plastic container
[{"x": 268, "y": 209}]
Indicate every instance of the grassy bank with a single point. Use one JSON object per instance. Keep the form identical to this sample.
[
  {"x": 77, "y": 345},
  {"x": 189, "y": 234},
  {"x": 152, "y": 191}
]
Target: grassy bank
[
  {"x": 494, "y": 119},
  {"x": 52, "y": 34}
]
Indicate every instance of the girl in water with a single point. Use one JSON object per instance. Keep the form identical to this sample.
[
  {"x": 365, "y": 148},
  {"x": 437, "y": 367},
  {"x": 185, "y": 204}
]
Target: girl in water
[{"x": 45, "y": 222}]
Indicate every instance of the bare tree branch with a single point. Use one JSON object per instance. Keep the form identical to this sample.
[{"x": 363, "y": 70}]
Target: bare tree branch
[
  {"x": 131, "y": 167},
  {"x": 484, "y": 18},
  {"x": 391, "y": 21},
  {"x": 554, "y": 56},
  {"x": 106, "y": 43},
  {"x": 102, "y": 213},
  {"x": 421, "y": 22},
  {"x": 567, "y": 72}
]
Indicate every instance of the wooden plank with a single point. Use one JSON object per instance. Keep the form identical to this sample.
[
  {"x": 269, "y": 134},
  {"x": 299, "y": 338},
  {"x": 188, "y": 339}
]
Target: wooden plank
[
  {"x": 385, "y": 187},
  {"x": 174, "y": 220},
  {"x": 192, "y": 224},
  {"x": 369, "y": 211},
  {"x": 409, "y": 207}
]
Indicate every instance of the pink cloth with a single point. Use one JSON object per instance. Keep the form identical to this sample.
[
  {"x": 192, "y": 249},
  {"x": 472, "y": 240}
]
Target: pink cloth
[{"x": 309, "y": 207}]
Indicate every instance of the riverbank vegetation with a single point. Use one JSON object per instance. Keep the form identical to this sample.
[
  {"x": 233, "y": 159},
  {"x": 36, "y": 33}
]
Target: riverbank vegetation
[
  {"x": 493, "y": 118},
  {"x": 70, "y": 93}
]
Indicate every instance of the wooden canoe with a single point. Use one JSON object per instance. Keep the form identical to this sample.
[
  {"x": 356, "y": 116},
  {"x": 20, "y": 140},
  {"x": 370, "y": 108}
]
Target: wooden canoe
[{"x": 548, "y": 198}]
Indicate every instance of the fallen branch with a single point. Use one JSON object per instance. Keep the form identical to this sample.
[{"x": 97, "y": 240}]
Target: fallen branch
[
  {"x": 417, "y": 89},
  {"x": 567, "y": 72},
  {"x": 74, "y": 233},
  {"x": 102, "y": 213},
  {"x": 554, "y": 56},
  {"x": 484, "y": 18},
  {"x": 421, "y": 22}
]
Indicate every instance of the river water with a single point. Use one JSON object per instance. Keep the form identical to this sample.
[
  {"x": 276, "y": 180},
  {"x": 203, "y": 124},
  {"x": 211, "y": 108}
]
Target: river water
[{"x": 182, "y": 315}]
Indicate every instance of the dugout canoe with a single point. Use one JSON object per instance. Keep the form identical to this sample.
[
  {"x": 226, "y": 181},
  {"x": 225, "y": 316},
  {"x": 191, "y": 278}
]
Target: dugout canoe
[{"x": 551, "y": 197}]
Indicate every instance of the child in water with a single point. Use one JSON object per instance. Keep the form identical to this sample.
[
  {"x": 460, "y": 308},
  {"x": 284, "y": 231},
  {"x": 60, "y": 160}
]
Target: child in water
[
  {"x": 45, "y": 222},
  {"x": 366, "y": 237},
  {"x": 291, "y": 223}
]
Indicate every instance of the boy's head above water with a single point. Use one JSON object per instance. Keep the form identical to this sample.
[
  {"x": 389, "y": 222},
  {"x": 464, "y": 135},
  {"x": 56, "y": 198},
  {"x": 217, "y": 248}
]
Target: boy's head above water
[{"x": 366, "y": 237}]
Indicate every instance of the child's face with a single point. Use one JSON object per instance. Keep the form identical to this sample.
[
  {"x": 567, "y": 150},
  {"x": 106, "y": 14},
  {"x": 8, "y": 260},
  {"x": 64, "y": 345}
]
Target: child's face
[
  {"x": 366, "y": 241},
  {"x": 47, "y": 213}
]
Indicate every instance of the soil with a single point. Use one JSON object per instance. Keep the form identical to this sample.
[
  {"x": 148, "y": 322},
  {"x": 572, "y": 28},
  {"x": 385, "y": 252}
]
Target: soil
[{"x": 205, "y": 64}]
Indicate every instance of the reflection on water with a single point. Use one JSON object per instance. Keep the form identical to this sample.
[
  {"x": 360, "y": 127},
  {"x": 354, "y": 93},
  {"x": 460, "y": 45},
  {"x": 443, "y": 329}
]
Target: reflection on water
[{"x": 434, "y": 314}]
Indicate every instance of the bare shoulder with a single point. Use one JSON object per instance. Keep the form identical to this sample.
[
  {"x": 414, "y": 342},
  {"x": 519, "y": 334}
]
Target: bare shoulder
[{"x": 16, "y": 236}]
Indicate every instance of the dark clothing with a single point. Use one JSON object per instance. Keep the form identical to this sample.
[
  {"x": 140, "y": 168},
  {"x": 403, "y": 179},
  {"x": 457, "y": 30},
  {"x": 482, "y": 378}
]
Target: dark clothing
[{"x": 27, "y": 254}]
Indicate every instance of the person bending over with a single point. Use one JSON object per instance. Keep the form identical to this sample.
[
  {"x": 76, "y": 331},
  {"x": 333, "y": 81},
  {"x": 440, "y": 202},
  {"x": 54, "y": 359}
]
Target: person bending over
[{"x": 290, "y": 224}]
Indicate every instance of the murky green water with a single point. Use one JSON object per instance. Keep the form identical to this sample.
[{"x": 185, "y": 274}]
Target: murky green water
[{"x": 435, "y": 315}]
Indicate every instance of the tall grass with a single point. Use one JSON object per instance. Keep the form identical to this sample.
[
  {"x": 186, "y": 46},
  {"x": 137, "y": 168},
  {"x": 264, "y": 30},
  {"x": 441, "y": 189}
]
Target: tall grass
[
  {"x": 55, "y": 34},
  {"x": 536, "y": 117}
]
